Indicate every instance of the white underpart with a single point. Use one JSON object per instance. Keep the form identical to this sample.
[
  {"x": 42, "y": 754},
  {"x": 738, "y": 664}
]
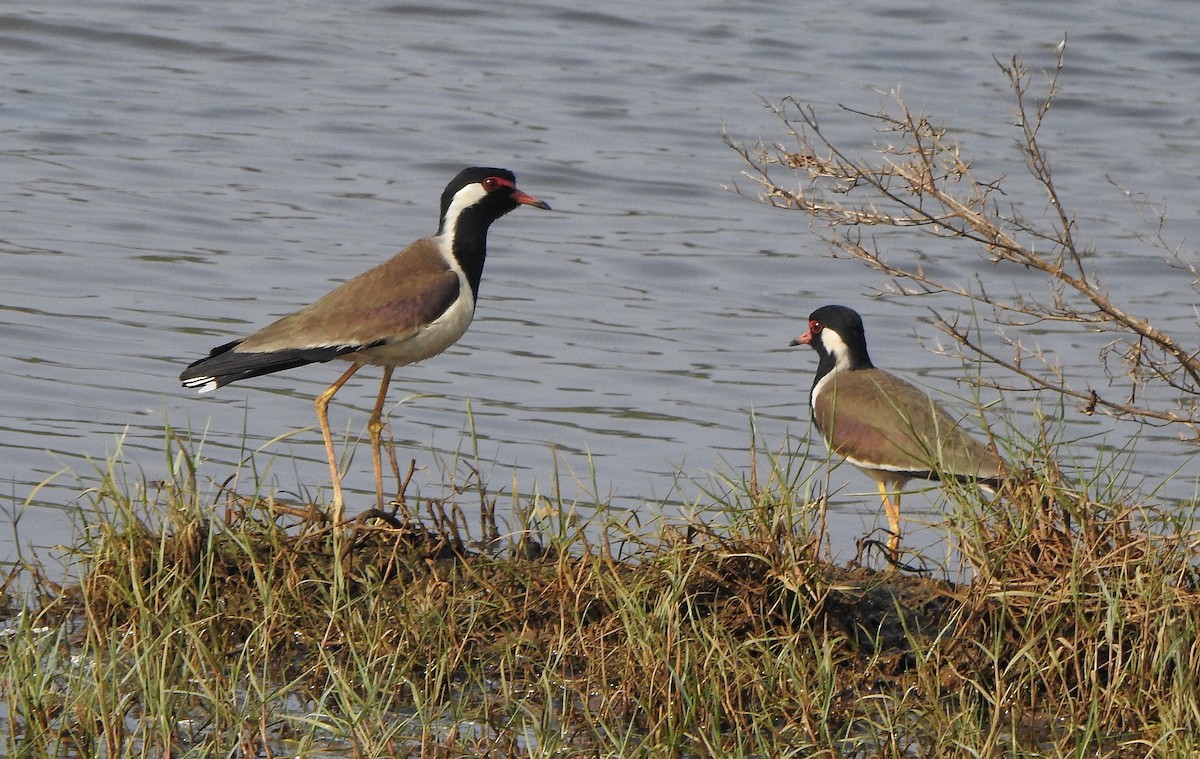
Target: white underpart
[
  {"x": 433, "y": 338},
  {"x": 429, "y": 340},
  {"x": 439, "y": 334},
  {"x": 841, "y": 357}
]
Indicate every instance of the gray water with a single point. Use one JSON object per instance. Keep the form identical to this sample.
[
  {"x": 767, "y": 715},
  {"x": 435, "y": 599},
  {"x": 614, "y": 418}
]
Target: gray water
[{"x": 177, "y": 174}]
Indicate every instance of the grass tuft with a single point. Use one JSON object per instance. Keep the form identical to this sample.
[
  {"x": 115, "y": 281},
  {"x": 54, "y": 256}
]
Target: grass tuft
[{"x": 239, "y": 626}]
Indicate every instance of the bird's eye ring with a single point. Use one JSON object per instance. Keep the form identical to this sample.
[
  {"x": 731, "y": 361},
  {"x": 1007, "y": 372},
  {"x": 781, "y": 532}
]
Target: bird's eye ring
[{"x": 491, "y": 184}]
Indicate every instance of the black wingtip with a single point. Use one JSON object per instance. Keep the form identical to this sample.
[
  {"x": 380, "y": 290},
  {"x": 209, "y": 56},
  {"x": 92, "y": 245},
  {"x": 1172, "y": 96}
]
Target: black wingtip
[{"x": 225, "y": 364}]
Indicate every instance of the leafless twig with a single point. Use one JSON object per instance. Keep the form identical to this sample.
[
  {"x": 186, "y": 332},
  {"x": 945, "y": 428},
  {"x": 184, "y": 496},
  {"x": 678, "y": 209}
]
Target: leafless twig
[{"x": 923, "y": 181}]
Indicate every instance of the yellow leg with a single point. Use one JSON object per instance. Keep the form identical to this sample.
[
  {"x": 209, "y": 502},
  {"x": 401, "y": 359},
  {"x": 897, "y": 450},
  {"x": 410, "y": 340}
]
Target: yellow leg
[
  {"x": 375, "y": 427},
  {"x": 891, "y": 507},
  {"x": 322, "y": 404}
]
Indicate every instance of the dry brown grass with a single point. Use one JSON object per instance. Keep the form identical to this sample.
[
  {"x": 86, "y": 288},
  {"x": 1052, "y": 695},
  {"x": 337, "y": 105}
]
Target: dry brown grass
[{"x": 262, "y": 634}]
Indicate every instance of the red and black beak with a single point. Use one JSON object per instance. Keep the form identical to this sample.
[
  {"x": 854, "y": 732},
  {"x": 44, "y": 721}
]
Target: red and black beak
[{"x": 526, "y": 199}]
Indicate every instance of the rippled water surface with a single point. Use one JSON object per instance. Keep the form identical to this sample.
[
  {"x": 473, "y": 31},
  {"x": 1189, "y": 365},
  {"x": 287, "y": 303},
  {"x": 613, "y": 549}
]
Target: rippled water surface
[{"x": 177, "y": 174}]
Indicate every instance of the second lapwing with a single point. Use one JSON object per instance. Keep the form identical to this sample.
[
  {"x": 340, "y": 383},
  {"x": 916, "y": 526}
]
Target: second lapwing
[
  {"x": 411, "y": 307},
  {"x": 885, "y": 426}
]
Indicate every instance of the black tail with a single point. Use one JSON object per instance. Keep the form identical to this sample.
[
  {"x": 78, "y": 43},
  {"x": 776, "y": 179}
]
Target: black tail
[{"x": 225, "y": 364}]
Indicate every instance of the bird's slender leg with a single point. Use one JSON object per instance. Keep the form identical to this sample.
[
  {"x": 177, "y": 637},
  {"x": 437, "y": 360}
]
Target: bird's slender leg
[
  {"x": 891, "y": 507},
  {"x": 322, "y": 404},
  {"x": 375, "y": 427}
]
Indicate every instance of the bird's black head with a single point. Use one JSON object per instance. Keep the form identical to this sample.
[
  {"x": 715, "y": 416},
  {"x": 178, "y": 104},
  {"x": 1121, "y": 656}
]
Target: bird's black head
[
  {"x": 836, "y": 333},
  {"x": 485, "y": 194},
  {"x": 471, "y": 202}
]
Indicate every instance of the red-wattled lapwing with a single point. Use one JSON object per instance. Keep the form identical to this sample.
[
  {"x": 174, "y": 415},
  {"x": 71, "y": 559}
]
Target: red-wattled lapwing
[
  {"x": 408, "y": 308},
  {"x": 885, "y": 426}
]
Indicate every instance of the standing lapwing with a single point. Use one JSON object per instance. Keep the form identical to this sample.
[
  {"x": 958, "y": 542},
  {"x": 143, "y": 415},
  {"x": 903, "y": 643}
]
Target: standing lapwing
[
  {"x": 411, "y": 307},
  {"x": 885, "y": 426}
]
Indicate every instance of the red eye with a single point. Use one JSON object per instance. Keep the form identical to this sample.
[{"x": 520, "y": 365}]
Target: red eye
[
  {"x": 491, "y": 184},
  {"x": 815, "y": 326}
]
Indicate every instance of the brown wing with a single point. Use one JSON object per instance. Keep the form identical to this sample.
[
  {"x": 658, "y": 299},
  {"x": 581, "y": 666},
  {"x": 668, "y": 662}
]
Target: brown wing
[
  {"x": 877, "y": 420},
  {"x": 390, "y": 301}
]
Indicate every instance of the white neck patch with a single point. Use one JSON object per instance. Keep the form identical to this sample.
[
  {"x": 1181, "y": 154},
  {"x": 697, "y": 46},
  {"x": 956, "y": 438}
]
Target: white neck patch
[
  {"x": 463, "y": 199},
  {"x": 836, "y": 347}
]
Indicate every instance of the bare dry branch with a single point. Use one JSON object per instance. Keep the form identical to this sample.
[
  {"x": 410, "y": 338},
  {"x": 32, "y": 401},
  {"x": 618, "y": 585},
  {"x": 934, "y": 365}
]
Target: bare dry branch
[{"x": 922, "y": 180}]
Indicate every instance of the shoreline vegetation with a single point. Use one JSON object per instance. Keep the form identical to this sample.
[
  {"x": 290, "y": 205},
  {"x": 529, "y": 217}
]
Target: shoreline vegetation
[
  {"x": 226, "y": 625},
  {"x": 207, "y": 622}
]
